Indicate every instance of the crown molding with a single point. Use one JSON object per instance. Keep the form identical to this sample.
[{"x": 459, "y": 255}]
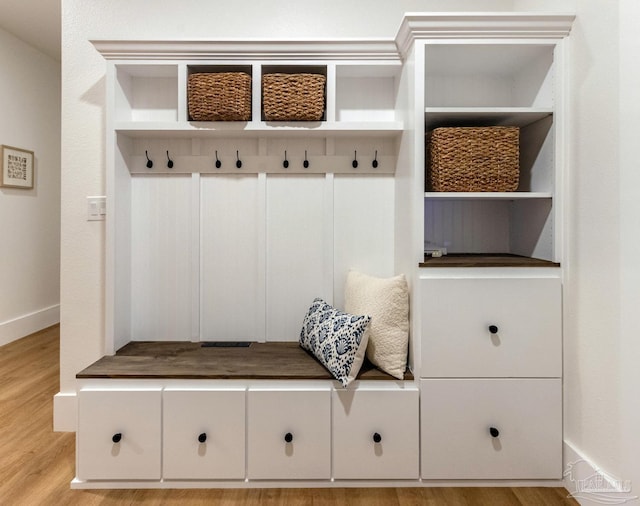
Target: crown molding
[
  {"x": 380, "y": 50},
  {"x": 414, "y": 26},
  {"x": 501, "y": 25}
]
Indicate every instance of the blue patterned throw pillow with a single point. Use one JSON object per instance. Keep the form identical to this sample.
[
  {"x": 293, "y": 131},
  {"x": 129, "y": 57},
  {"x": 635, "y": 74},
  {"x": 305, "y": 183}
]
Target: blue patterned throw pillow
[{"x": 337, "y": 339}]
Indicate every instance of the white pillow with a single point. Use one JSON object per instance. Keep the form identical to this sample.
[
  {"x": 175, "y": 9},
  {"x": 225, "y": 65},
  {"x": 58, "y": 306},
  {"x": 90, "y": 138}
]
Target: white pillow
[{"x": 387, "y": 302}]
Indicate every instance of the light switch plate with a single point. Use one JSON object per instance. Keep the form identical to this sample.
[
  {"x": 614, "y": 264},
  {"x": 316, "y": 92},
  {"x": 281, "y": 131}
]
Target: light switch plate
[{"x": 96, "y": 208}]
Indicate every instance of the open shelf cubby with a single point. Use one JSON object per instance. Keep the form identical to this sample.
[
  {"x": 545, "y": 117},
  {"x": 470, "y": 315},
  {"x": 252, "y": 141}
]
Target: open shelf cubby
[
  {"x": 484, "y": 85},
  {"x": 146, "y": 93}
]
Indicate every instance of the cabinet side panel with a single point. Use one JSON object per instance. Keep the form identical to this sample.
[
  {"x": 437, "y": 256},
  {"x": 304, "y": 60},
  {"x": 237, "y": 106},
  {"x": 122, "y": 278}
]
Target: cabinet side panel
[
  {"x": 161, "y": 241},
  {"x": 119, "y": 232},
  {"x": 229, "y": 258}
]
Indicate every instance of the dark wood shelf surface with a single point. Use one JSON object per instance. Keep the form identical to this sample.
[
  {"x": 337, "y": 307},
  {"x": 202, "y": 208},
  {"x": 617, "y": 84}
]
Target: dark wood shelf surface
[
  {"x": 485, "y": 260},
  {"x": 187, "y": 360}
]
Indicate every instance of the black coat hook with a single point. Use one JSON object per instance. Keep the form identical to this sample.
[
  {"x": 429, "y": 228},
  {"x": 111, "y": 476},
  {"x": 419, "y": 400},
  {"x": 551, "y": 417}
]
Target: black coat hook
[
  {"x": 149, "y": 162},
  {"x": 354, "y": 164},
  {"x": 218, "y": 162},
  {"x": 305, "y": 164},
  {"x": 285, "y": 164},
  {"x": 170, "y": 161},
  {"x": 375, "y": 160},
  {"x": 238, "y": 162}
]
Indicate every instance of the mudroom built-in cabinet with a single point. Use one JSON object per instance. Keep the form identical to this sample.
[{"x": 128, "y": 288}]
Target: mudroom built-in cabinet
[{"x": 220, "y": 234}]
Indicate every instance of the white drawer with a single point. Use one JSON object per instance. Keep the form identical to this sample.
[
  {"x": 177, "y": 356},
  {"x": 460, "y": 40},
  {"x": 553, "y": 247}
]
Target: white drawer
[
  {"x": 118, "y": 434},
  {"x": 457, "y": 416},
  {"x": 203, "y": 434},
  {"x": 457, "y": 338},
  {"x": 375, "y": 434},
  {"x": 289, "y": 434}
]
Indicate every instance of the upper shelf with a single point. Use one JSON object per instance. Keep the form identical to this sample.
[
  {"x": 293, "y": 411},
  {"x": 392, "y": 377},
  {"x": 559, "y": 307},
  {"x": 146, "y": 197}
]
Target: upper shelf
[
  {"x": 484, "y": 116},
  {"x": 159, "y": 129},
  {"x": 489, "y": 75},
  {"x": 488, "y": 195},
  {"x": 150, "y": 99}
]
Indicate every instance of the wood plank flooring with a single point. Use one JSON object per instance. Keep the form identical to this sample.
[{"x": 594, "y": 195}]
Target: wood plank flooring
[{"x": 37, "y": 464}]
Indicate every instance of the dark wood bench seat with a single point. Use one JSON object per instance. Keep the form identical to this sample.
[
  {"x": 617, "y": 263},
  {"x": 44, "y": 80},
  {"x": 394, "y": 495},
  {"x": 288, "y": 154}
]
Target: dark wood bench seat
[{"x": 186, "y": 360}]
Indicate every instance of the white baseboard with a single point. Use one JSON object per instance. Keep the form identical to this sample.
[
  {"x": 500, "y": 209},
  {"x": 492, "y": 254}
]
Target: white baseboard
[
  {"x": 65, "y": 407},
  {"x": 22, "y": 326},
  {"x": 590, "y": 485}
]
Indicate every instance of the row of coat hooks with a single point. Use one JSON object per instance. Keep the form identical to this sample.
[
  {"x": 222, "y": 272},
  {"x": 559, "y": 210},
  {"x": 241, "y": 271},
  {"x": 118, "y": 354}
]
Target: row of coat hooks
[{"x": 285, "y": 162}]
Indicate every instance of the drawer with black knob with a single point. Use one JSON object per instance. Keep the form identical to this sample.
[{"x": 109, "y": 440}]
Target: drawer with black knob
[
  {"x": 289, "y": 433},
  {"x": 375, "y": 433},
  {"x": 203, "y": 434},
  {"x": 491, "y": 428},
  {"x": 118, "y": 435},
  {"x": 491, "y": 327}
]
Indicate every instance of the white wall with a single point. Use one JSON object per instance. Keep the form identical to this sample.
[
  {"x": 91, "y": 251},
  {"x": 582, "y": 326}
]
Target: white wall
[
  {"x": 592, "y": 282},
  {"x": 602, "y": 301},
  {"x": 30, "y": 219}
]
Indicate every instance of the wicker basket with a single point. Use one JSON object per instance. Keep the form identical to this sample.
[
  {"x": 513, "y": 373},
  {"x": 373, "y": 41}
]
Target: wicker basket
[
  {"x": 473, "y": 159},
  {"x": 293, "y": 97},
  {"x": 219, "y": 96}
]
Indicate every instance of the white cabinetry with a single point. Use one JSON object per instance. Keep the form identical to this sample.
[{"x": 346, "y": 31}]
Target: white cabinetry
[
  {"x": 171, "y": 433},
  {"x": 496, "y": 327},
  {"x": 289, "y": 433},
  {"x": 236, "y": 250},
  {"x": 489, "y": 312},
  {"x": 498, "y": 83},
  {"x": 244, "y": 245},
  {"x": 491, "y": 393},
  {"x": 375, "y": 433},
  {"x": 119, "y": 434},
  {"x": 203, "y": 434},
  {"x": 491, "y": 428}
]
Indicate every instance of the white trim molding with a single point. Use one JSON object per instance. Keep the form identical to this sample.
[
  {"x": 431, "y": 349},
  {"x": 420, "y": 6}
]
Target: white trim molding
[
  {"x": 65, "y": 409},
  {"x": 379, "y": 50},
  {"x": 443, "y": 25},
  {"x": 476, "y": 25},
  {"x": 590, "y": 485},
  {"x": 12, "y": 330}
]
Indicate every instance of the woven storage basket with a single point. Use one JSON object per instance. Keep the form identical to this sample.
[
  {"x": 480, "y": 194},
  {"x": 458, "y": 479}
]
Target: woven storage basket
[
  {"x": 293, "y": 97},
  {"x": 219, "y": 96},
  {"x": 473, "y": 159}
]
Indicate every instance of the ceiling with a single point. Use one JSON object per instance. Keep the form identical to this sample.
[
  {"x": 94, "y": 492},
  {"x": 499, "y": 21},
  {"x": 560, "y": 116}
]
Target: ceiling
[{"x": 37, "y": 22}]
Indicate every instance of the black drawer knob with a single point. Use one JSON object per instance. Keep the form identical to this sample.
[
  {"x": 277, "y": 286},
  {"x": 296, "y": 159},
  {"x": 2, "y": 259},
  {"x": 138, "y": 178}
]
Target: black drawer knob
[
  {"x": 494, "y": 432},
  {"x": 377, "y": 437},
  {"x": 288, "y": 437},
  {"x": 202, "y": 437},
  {"x": 493, "y": 329},
  {"x": 117, "y": 437}
]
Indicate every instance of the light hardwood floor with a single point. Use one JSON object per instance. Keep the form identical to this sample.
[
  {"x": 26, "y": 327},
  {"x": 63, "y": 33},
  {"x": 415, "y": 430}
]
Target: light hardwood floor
[{"x": 37, "y": 464}]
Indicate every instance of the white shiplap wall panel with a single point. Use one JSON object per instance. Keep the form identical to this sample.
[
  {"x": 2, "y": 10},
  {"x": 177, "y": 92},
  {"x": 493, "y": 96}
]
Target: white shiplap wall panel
[
  {"x": 469, "y": 226},
  {"x": 161, "y": 242},
  {"x": 363, "y": 229},
  {"x": 230, "y": 281},
  {"x": 295, "y": 268}
]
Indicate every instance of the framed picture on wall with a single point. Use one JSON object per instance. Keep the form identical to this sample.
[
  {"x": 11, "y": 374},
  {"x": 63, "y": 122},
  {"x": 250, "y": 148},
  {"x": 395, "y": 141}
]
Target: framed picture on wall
[{"x": 17, "y": 168}]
